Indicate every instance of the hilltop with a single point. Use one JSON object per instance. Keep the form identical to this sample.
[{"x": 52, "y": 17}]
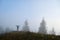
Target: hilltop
[{"x": 27, "y": 36}]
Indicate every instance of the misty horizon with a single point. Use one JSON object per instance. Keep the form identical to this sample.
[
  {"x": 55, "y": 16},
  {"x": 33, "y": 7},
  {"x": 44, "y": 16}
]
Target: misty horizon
[{"x": 13, "y": 12}]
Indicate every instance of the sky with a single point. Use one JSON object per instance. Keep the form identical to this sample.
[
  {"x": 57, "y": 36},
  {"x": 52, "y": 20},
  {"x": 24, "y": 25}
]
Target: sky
[{"x": 15, "y": 12}]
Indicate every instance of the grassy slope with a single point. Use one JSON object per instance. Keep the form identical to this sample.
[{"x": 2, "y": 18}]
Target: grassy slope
[{"x": 27, "y": 36}]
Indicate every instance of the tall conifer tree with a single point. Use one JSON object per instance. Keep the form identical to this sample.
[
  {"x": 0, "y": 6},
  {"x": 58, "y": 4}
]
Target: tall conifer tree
[
  {"x": 42, "y": 28},
  {"x": 26, "y": 27}
]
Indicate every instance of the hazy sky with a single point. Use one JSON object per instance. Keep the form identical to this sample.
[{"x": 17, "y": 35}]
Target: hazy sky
[{"x": 13, "y": 12}]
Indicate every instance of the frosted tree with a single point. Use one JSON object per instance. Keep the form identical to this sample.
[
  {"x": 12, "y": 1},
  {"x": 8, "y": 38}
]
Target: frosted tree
[
  {"x": 7, "y": 30},
  {"x": 42, "y": 28},
  {"x": 53, "y": 31},
  {"x": 26, "y": 27}
]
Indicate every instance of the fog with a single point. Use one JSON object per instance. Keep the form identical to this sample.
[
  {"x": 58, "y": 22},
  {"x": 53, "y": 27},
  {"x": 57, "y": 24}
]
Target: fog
[{"x": 15, "y": 12}]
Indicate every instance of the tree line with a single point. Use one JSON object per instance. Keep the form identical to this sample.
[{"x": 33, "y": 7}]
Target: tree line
[{"x": 42, "y": 29}]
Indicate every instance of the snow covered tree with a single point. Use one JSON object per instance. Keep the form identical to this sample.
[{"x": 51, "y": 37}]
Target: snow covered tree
[
  {"x": 7, "y": 30},
  {"x": 26, "y": 27},
  {"x": 42, "y": 28},
  {"x": 53, "y": 31}
]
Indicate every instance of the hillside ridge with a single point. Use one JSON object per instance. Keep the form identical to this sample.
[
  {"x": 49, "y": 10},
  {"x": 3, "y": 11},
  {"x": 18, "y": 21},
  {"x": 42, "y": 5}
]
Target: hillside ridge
[{"x": 27, "y": 36}]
